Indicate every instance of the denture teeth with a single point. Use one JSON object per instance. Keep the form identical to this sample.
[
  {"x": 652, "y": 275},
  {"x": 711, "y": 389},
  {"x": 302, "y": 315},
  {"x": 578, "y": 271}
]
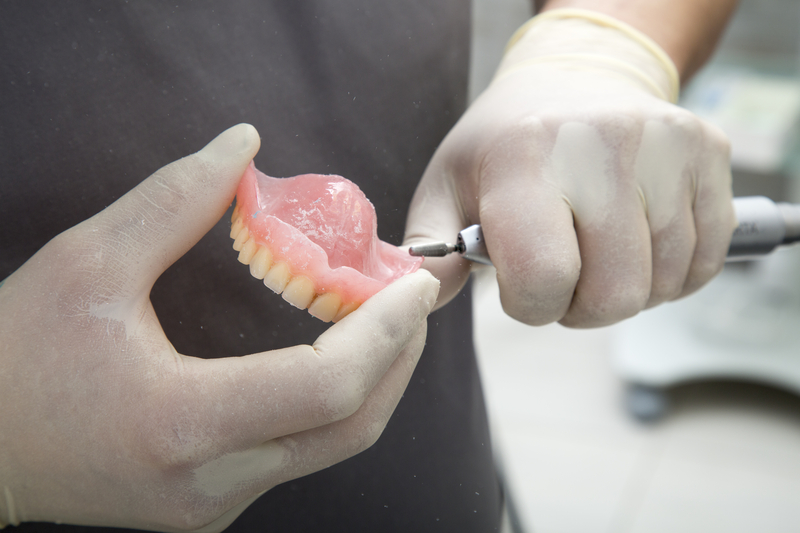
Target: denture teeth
[
  {"x": 345, "y": 310},
  {"x": 259, "y": 265},
  {"x": 299, "y": 292},
  {"x": 325, "y": 306},
  {"x": 242, "y": 238},
  {"x": 235, "y": 214},
  {"x": 277, "y": 277},
  {"x": 248, "y": 251},
  {"x": 236, "y": 227}
]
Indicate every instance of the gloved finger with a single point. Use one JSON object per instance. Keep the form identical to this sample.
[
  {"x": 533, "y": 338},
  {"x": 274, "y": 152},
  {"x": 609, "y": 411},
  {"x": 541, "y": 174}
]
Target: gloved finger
[
  {"x": 616, "y": 261},
  {"x": 436, "y": 216},
  {"x": 714, "y": 216},
  {"x": 222, "y": 425},
  {"x": 224, "y": 486},
  {"x": 538, "y": 264},
  {"x": 154, "y": 224},
  {"x": 528, "y": 228},
  {"x": 324, "y": 446},
  {"x": 610, "y": 222},
  {"x": 665, "y": 173},
  {"x": 239, "y": 403},
  {"x": 673, "y": 243}
]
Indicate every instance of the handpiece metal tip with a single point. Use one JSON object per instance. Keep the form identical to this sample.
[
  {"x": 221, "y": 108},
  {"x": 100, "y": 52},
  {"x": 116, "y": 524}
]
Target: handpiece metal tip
[{"x": 435, "y": 249}]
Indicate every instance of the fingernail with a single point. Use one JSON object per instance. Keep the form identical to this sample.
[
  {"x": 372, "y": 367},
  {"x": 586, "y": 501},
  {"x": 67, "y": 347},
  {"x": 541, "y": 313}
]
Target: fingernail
[{"x": 242, "y": 138}]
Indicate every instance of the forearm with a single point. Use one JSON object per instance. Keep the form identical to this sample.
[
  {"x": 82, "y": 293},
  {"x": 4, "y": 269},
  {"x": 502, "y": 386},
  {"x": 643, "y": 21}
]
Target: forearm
[{"x": 687, "y": 30}]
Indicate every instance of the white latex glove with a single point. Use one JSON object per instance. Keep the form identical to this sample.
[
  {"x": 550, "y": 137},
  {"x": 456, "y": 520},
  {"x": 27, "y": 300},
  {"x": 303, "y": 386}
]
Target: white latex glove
[
  {"x": 102, "y": 422},
  {"x": 597, "y": 197}
]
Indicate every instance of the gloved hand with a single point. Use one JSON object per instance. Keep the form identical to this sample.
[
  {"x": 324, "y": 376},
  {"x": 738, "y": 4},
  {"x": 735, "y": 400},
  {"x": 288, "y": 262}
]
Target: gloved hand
[
  {"x": 104, "y": 423},
  {"x": 597, "y": 196}
]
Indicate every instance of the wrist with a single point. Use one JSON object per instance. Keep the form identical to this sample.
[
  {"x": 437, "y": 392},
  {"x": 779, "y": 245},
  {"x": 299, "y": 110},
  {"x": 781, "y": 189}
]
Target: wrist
[{"x": 580, "y": 39}]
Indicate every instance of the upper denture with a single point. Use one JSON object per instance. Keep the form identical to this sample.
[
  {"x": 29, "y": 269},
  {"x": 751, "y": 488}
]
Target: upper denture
[{"x": 314, "y": 238}]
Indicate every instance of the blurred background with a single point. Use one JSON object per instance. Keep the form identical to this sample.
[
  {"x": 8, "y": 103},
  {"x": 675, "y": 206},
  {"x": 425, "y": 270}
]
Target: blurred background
[{"x": 687, "y": 417}]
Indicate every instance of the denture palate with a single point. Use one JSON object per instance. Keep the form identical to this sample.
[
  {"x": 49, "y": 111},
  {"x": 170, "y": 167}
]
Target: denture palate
[{"x": 313, "y": 239}]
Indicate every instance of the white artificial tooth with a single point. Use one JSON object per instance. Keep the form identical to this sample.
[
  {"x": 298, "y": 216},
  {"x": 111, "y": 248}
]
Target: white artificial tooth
[
  {"x": 277, "y": 277},
  {"x": 236, "y": 227},
  {"x": 235, "y": 214},
  {"x": 259, "y": 266},
  {"x": 345, "y": 310},
  {"x": 247, "y": 252},
  {"x": 325, "y": 306},
  {"x": 242, "y": 238},
  {"x": 299, "y": 292}
]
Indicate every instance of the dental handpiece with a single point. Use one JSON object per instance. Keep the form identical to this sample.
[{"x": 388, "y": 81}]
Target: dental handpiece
[{"x": 763, "y": 225}]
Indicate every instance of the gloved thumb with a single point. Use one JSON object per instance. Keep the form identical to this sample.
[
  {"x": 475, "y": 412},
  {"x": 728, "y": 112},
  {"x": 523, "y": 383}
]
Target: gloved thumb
[
  {"x": 436, "y": 215},
  {"x": 154, "y": 224}
]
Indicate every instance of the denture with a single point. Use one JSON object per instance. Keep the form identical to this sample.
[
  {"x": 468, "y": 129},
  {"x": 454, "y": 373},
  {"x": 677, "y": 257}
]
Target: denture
[{"x": 313, "y": 238}]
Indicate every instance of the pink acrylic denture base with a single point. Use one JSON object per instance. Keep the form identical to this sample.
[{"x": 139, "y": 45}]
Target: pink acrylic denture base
[{"x": 322, "y": 227}]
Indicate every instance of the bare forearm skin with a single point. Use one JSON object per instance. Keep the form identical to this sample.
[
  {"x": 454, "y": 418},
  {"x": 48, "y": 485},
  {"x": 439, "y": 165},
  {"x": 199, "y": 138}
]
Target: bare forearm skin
[{"x": 687, "y": 30}]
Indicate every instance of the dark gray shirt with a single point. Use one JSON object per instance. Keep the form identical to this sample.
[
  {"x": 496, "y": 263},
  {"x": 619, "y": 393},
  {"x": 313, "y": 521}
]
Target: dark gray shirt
[{"x": 97, "y": 95}]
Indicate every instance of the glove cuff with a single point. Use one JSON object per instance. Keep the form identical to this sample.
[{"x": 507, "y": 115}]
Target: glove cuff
[{"x": 582, "y": 38}]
